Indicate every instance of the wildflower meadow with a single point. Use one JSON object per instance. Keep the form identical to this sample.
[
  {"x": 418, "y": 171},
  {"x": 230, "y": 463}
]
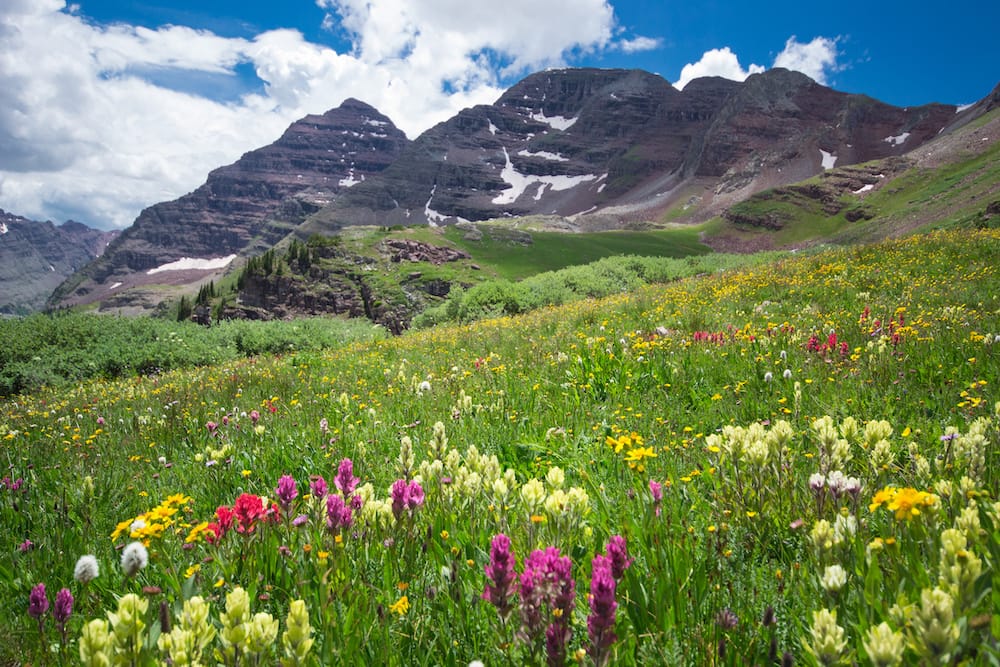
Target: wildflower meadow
[{"x": 792, "y": 463}]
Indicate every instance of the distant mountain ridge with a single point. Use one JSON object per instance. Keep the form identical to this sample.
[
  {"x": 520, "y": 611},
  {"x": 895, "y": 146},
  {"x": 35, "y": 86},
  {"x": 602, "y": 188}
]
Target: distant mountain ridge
[
  {"x": 35, "y": 257},
  {"x": 245, "y": 207},
  {"x": 598, "y": 149},
  {"x": 626, "y": 143}
]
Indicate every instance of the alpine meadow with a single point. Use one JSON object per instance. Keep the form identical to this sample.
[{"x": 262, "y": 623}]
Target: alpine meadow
[{"x": 790, "y": 462}]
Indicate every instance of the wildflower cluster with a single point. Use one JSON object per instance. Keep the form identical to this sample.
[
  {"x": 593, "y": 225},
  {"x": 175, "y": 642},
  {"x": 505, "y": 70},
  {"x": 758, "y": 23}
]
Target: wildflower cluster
[{"x": 152, "y": 524}]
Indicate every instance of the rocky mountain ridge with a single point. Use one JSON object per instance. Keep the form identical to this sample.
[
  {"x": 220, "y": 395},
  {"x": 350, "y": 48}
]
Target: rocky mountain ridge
[
  {"x": 35, "y": 257},
  {"x": 599, "y": 149},
  {"x": 243, "y": 208},
  {"x": 627, "y": 144}
]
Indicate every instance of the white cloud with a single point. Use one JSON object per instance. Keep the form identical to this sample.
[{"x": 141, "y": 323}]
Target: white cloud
[
  {"x": 814, "y": 59},
  {"x": 716, "y": 62},
  {"x": 640, "y": 44},
  {"x": 86, "y": 132}
]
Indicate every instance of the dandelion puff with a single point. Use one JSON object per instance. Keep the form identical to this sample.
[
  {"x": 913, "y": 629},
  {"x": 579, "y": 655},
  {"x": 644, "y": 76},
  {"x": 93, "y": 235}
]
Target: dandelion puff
[
  {"x": 787, "y": 374},
  {"x": 86, "y": 569},
  {"x": 134, "y": 558}
]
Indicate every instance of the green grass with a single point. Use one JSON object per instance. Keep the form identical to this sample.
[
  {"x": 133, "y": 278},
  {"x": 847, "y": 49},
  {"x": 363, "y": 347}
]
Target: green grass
[{"x": 549, "y": 251}]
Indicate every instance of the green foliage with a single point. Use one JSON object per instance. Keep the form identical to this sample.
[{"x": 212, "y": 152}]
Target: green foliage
[
  {"x": 612, "y": 275},
  {"x": 522, "y": 254},
  {"x": 65, "y": 348}
]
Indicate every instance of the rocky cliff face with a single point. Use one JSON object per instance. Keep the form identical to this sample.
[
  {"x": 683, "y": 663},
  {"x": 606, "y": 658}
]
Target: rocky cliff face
[
  {"x": 593, "y": 148},
  {"x": 560, "y": 142},
  {"x": 625, "y": 144},
  {"x": 244, "y": 207},
  {"x": 781, "y": 126},
  {"x": 36, "y": 256}
]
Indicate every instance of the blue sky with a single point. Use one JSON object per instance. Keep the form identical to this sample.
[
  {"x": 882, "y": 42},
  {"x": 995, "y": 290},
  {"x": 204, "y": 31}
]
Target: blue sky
[{"x": 112, "y": 106}]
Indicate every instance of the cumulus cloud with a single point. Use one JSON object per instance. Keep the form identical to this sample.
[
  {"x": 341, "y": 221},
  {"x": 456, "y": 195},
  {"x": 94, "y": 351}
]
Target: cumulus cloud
[
  {"x": 716, "y": 62},
  {"x": 815, "y": 59},
  {"x": 91, "y": 127}
]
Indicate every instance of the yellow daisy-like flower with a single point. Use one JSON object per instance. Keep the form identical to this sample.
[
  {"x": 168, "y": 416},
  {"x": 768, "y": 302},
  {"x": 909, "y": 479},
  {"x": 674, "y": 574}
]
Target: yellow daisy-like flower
[
  {"x": 637, "y": 454},
  {"x": 198, "y": 532},
  {"x": 400, "y": 606},
  {"x": 905, "y": 503},
  {"x": 176, "y": 500},
  {"x": 121, "y": 528}
]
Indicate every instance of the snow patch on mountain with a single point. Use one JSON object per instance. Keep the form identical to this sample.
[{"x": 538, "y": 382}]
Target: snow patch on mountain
[
  {"x": 555, "y": 157},
  {"x": 194, "y": 264},
  {"x": 519, "y": 182},
  {"x": 829, "y": 159},
  {"x": 898, "y": 139},
  {"x": 435, "y": 217},
  {"x": 349, "y": 180},
  {"x": 555, "y": 122}
]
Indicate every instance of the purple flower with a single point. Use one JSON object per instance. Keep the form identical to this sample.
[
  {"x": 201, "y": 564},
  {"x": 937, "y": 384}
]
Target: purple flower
[
  {"x": 38, "y": 602},
  {"x": 501, "y": 574},
  {"x": 406, "y": 496},
  {"x": 286, "y": 491},
  {"x": 547, "y": 591},
  {"x": 300, "y": 520},
  {"x": 63, "y": 607},
  {"x": 601, "y": 620},
  {"x": 324, "y": 426},
  {"x": 400, "y": 493},
  {"x": 416, "y": 495},
  {"x": 318, "y": 487},
  {"x": 338, "y": 513},
  {"x": 345, "y": 481},
  {"x": 556, "y": 637},
  {"x": 656, "y": 489},
  {"x": 25, "y": 546},
  {"x": 618, "y": 555}
]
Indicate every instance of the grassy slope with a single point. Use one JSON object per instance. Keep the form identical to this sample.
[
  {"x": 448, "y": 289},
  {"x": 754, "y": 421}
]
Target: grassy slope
[
  {"x": 948, "y": 194},
  {"x": 544, "y": 390},
  {"x": 550, "y": 251}
]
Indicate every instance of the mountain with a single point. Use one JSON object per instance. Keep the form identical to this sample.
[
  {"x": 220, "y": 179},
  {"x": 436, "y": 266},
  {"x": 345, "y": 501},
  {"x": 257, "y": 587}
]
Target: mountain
[
  {"x": 626, "y": 145},
  {"x": 584, "y": 149},
  {"x": 35, "y": 257},
  {"x": 243, "y": 208}
]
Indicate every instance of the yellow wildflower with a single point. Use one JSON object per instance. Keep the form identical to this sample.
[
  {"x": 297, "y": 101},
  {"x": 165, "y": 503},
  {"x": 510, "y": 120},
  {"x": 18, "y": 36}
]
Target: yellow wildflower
[{"x": 400, "y": 606}]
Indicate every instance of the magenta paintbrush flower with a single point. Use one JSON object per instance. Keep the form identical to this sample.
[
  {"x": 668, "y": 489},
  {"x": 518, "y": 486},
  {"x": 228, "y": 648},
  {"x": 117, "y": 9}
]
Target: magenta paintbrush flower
[
  {"x": 500, "y": 571},
  {"x": 287, "y": 491},
  {"x": 345, "y": 481},
  {"x": 601, "y": 620}
]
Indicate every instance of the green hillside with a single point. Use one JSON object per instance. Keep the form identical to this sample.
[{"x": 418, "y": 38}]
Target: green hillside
[
  {"x": 952, "y": 183},
  {"x": 799, "y": 458}
]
